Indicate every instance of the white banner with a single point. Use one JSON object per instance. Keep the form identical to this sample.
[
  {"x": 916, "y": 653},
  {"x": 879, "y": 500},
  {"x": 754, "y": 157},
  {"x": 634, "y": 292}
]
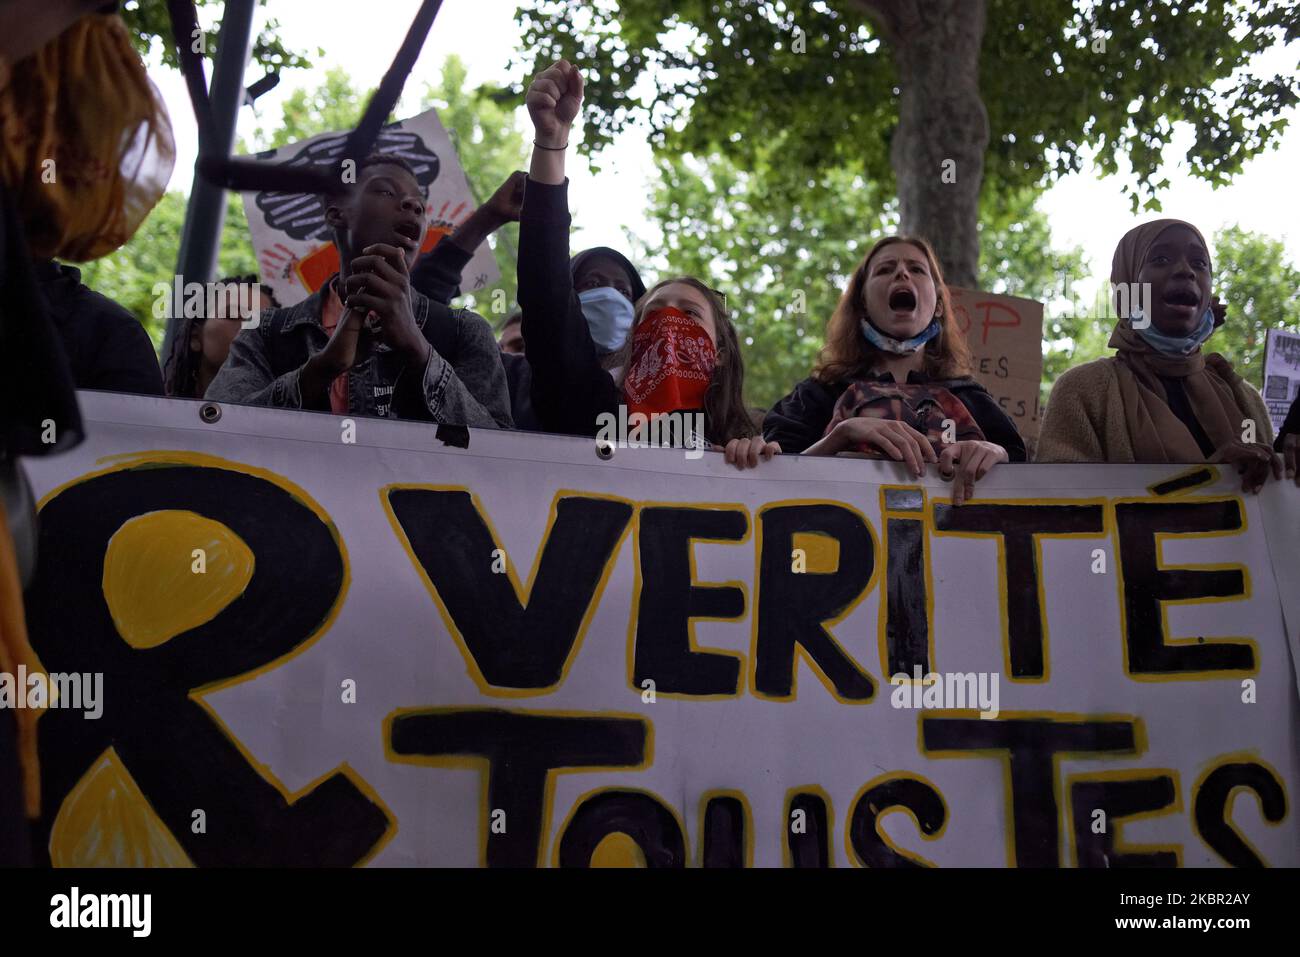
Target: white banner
[
  {"x": 295, "y": 248},
  {"x": 399, "y": 652}
]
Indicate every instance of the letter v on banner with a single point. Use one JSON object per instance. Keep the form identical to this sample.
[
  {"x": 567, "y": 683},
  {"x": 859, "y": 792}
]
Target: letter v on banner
[{"x": 511, "y": 638}]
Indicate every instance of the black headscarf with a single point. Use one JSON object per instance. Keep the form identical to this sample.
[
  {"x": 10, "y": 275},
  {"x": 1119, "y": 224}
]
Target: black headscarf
[{"x": 638, "y": 287}]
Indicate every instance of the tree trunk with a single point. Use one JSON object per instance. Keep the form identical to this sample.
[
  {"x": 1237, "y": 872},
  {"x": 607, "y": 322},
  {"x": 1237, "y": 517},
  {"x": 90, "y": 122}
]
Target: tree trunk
[{"x": 943, "y": 128}]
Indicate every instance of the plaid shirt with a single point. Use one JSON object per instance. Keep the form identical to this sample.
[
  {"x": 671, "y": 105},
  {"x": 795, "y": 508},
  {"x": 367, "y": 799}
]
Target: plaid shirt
[{"x": 923, "y": 406}]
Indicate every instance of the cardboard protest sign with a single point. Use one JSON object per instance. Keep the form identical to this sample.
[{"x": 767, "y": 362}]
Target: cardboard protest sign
[
  {"x": 399, "y": 652},
  {"x": 1005, "y": 334},
  {"x": 1281, "y": 373},
  {"x": 295, "y": 247}
]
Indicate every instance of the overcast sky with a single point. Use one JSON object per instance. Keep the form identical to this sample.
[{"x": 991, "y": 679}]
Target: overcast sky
[{"x": 1084, "y": 208}]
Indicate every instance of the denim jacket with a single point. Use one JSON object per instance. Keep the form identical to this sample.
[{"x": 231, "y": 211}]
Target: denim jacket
[{"x": 470, "y": 390}]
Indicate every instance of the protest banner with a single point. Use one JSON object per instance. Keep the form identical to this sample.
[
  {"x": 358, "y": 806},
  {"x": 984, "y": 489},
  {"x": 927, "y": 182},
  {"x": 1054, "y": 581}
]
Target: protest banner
[
  {"x": 1005, "y": 334},
  {"x": 329, "y": 641},
  {"x": 1281, "y": 373},
  {"x": 294, "y": 246}
]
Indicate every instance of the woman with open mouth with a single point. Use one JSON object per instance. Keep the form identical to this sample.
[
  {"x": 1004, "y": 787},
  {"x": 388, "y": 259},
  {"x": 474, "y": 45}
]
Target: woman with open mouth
[
  {"x": 894, "y": 380},
  {"x": 1160, "y": 398}
]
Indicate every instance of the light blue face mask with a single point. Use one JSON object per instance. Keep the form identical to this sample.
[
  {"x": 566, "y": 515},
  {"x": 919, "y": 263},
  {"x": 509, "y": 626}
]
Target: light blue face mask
[
  {"x": 900, "y": 347},
  {"x": 1176, "y": 345},
  {"x": 609, "y": 316}
]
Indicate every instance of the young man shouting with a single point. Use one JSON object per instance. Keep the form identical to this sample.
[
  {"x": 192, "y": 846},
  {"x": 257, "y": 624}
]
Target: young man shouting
[{"x": 366, "y": 343}]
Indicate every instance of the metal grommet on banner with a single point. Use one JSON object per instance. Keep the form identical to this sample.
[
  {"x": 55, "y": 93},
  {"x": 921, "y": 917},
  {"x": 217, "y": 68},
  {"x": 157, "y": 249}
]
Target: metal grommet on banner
[
  {"x": 209, "y": 412},
  {"x": 604, "y": 450}
]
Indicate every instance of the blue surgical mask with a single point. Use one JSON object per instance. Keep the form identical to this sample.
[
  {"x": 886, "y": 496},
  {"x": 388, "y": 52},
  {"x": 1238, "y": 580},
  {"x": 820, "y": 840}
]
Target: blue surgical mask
[
  {"x": 900, "y": 347},
  {"x": 1177, "y": 345},
  {"x": 609, "y": 316}
]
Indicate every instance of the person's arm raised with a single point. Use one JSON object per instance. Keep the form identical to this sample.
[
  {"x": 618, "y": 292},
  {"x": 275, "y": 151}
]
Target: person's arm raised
[
  {"x": 569, "y": 387},
  {"x": 502, "y": 207},
  {"x": 437, "y": 274},
  {"x": 553, "y": 101}
]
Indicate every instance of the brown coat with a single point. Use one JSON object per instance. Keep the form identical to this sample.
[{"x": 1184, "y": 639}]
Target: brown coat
[{"x": 1085, "y": 419}]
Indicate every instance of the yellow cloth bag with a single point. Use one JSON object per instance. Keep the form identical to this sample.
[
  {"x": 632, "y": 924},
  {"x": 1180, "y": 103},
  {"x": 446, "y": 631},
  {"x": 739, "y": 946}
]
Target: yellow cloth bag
[{"x": 86, "y": 146}]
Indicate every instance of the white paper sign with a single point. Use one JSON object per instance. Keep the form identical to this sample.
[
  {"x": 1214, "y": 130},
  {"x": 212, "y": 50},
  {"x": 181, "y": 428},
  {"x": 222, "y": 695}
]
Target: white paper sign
[{"x": 1281, "y": 373}]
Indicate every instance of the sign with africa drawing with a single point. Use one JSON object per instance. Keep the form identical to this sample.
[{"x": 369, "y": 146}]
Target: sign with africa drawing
[
  {"x": 337, "y": 642},
  {"x": 294, "y": 246}
]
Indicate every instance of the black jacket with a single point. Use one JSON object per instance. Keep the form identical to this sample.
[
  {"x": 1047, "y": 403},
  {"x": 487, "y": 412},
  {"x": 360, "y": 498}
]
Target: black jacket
[
  {"x": 1291, "y": 424},
  {"x": 800, "y": 419},
  {"x": 36, "y": 385},
  {"x": 437, "y": 275},
  {"x": 519, "y": 379},
  {"x": 35, "y": 390},
  {"x": 570, "y": 389},
  {"x": 106, "y": 346}
]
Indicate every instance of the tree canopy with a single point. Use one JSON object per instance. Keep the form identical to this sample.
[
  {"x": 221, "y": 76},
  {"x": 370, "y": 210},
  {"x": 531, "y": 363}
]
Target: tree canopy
[
  {"x": 827, "y": 84},
  {"x": 774, "y": 190},
  {"x": 1262, "y": 290},
  {"x": 151, "y": 30}
]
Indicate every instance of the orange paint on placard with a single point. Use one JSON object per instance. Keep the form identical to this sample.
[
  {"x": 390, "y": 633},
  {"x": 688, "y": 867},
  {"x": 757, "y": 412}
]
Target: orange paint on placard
[
  {"x": 317, "y": 266},
  {"x": 321, "y": 263},
  {"x": 434, "y": 235}
]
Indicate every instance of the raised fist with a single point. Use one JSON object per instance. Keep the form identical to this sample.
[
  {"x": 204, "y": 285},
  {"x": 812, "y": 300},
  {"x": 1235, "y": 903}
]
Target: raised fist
[
  {"x": 553, "y": 100},
  {"x": 506, "y": 202}
]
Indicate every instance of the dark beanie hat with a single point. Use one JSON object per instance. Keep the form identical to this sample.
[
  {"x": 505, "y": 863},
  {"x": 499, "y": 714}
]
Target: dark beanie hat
[{"x": 638, "y": 287}]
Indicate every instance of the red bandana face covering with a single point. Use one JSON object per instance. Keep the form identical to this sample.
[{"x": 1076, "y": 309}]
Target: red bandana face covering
[{"x": 671, "y": 364}]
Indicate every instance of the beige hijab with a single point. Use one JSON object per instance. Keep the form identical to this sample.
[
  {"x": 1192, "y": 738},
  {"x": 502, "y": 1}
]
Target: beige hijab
[{"x": 1156, "y": 433}]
